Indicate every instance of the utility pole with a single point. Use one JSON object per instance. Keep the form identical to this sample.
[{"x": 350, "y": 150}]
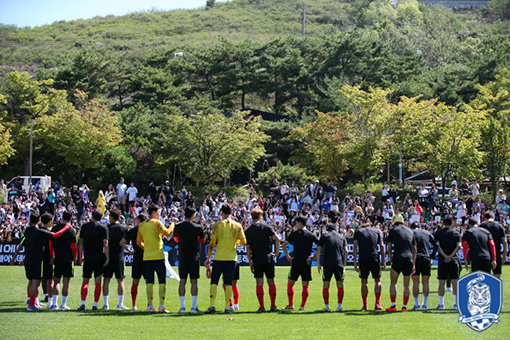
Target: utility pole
[
  {"x": 30, "y": 157},
  {"x": 400, "y": 168},
  {"x": 303, "y": 20}
]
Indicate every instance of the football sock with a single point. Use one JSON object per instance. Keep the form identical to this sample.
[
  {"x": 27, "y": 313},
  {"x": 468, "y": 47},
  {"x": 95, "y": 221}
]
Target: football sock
[
  {"x": 290, "y": 294},
  {"x": 84, "y": 291},
  {"x": 416, "y": 300},
  {"x": 134, "y": 293},
  {"x": 212, "y": 294},
  {"x": 340, "y": 295},
  {"x": 260, "y": 295},
  {"x": 378, "y": 298},
  {"x": 272, "y": 294},
  {"x": 325, "y": 296},
  {"x": 64, "y": 300},
  {"x": 162, "y": 293},
  {"x": 194, "y": 301},
  {"x": 425, "y": 298},
  {"x": 454, "y": 299},
  {"x": 364, "y": 298},
  {"x": 406, "y": 300},
  {"x": 121, "y": 300},
  {"x": 304, "y": 295},
  {"x": 235, "y": 292},
  {"x": 105, "y": 299},
  {"x": 182, "y": 298},
  {"x": 150, "y": 294},
  {"x": 441, "y": 300},
  {"x": 228, "y": 296},
  {"x": 97, "y": 293},
  {"x": 393, "y": 299}
]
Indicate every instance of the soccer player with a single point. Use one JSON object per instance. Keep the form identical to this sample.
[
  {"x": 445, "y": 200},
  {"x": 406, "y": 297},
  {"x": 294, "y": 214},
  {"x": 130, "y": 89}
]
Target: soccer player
[
  {"x": 94, "y": 256},
  {"x": 366, "y": 241},
  {"x": 34, "y": 242},
  {"x": 448, "y": 242},
  {"x": 423, "y": 264},
  {"x": 48, "y": 257},
  {"x": 65, "y": 255},
  {"x": 137, "y": 269},
  {"x": 189, "y": 236},
  {"x": 261, "y": 257},
  {"x": 479, "y": 244},
  {"x": 301, "y": 260},
  {"x": 499, "y": 237},
  {"x": 335, "y": 249},
  {"x": 149, "y": 239},
  {"x": 117, "y": 234},
  {"x": 225, "y": 235},
  {"x": 403, "y": 259}
]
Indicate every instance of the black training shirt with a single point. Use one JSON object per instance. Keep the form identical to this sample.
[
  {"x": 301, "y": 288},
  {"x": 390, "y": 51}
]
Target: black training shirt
[
  {"x": 93, "y": 235},
  {"x": 258, "y": 237},
  {"x": 35, "y": 239},
  {"x": 368, "y": 238},
  {"x": 447, "y": 238},
  {"x": 188, "y": 234},
  {"x": 303, "y": 241},
  {"x": 478, "y": 241},
  {"x": 62, "y": 245},
  {"x": 423, "y": 241},
  {"x": 497, "y": 232},
  {"x": 131, "y": 237},
  {"x": 334, "y": 245},
  {"x": 402, "y": 240},
  {"x": 116, "y": 233}
]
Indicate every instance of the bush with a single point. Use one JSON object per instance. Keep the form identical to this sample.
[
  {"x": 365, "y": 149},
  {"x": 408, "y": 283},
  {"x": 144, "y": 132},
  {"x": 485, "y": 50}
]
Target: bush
[{"x": 286, "y": 172}]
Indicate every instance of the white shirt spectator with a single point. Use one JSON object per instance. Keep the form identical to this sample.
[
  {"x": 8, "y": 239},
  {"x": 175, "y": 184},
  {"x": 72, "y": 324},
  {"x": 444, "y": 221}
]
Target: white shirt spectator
[
  {"x": 121, "y": 190},
  {"x": 131, "y": 193}
]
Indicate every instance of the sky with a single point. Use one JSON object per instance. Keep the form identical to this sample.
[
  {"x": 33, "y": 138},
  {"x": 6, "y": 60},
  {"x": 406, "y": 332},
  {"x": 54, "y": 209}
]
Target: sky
[{"x": 41, "y": 12}]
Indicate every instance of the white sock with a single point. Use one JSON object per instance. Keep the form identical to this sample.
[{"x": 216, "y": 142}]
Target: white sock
[
  {"x": 182, "y": 301},
  {"x": 37, "y": 301},
  {"x": 393, "y": 304},
  {"x": 425, "y": 298},
  {"x": 161, "y": 306},
  {"x": 339, "y": 305},
  {"x": 121, "y": 300},
  {"x": 95, "y": 304},
  {"x": 327, "y": 306},
  {"x": 64, "y": 300},
  {"x": 441, "y": 300},
  {"x": 55, "y": 300},
  {"x": 83, "y": 302},
  {"x": 105, "y": 298},
  {"x": 416, "y": 301},
  {"x": 236, "y": 306},
  {"x": 454, "y": 299},
  {"x": 194, "y": 301}
]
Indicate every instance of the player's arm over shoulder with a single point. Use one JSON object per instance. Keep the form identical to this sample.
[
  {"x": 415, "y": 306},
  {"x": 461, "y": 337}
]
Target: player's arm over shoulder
[
  {"x": 241, "y": 238},
  {"x": 163, "y": 230}
]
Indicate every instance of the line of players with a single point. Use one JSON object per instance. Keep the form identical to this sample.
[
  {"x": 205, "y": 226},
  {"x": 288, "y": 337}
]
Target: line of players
[{"x": 49, "y": 255}]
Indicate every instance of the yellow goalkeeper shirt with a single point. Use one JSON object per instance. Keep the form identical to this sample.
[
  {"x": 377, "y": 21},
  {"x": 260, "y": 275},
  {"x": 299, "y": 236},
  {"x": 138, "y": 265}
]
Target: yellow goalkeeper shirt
[
  {"x": 149, "y": 239},
  {"x": 226, "y": 234}
]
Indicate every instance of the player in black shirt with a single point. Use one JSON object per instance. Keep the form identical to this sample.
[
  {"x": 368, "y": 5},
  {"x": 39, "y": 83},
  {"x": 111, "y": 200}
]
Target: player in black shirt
[
  {"x": 499, "y": 237},
  {"x": 48, "y": 256},
  {"x": 448, "y": 242},
  {"x": 189, "y": 236},
  {"x": 261, "y": 257},
  {"x": 94, "y": 256},
  {"x": 34, "y": 242},
  {"x": 137, "y": 270},
  {"x": 301, "y": 260},
  {"x": 479, "y": 244},
  {"x": 403, "y": 259},
  {"x": 368, "y": 239},
  {"x": 65, "y": 256},
  {"x": 117, "y": 234},
  {"x": 335, "y": 259},
  {"x": 423, "y": 264}
]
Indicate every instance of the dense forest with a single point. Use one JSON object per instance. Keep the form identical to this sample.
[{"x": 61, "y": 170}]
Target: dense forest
[{"x": 155, "y": 95}]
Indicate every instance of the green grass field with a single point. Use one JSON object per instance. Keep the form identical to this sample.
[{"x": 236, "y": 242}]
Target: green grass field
[{"x": 16, "y": 323}]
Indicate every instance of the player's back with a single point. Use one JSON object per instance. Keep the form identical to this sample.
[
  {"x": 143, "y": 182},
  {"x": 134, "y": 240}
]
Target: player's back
[
  {"x": 334, "y": 246},
  {"x": 478, "y": 241},
  {"x": 34, "y": 244},
  {"x": 497, "y": 231},
  {"x": 258, "y": 237},
  {"x": 131, "y": 237},
  {"x": 447, "y": 238},
  {"x": 368, "y": 238},
  {"x": 227, "y": 232},
  {"x": 188, "y": 235},
  {"x": 153, "y": 245},
  {"x": 402, "y": 240},
  {"x": 116, "y": 233},
  {"x": 93, "y": 235},
  {"x": 423, "y": 241},
  {"x": 62, "y": 245},
  {"x": 303, "y": 241}
]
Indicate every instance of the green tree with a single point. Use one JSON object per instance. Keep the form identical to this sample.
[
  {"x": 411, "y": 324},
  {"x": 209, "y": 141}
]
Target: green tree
[
  {"x": 6, "y": 149},
  {"x": 209, "y": 147}
]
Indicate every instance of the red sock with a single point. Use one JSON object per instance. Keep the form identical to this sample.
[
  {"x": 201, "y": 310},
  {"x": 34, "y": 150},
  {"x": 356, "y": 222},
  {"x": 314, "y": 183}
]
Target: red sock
[
  {"x": 272, "y": 294},
  {"x": 97, "y": 292},
  {"x": 393, "y": 298},
  {"x": 406, "y": 300},
  {"x": 84, "y": 291},
  {"x": 378, "y": 298},
  {"x": 364, "y": 297},
  {"x": 134, "y": 292},
  {"x": 325, "y": 295},
  {"x": 340, "y": 295},
  {"x": 235, "y": 291},
  {"x": 260, "y": 295},
  {"x": 304, "y": 295},
  {"x": 290, "y": 294}
]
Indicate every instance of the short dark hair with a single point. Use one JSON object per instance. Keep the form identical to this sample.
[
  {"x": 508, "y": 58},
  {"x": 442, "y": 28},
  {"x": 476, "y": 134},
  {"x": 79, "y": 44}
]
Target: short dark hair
[
  {"x": 34, "y": 218},
  {"x": 67, "y": 216},
  {"x": 472, "y": 221},
  {"x": 189, "y": 212},
  {"x": 332, "y": 227},
  {"x": 256, "y": 213},
  {"x": 46, "y": 217},
  {"x": 226, "y": 209},
  {"x": 141, "y": 218},
  {"x": 301, "y": 220},
  {"x": 398, "y": 223},
  {"x": 415, "y": 225},
  {"x": 448, "y": 220},
  {"x": 97, "y": 215},
  {"x": 153, "y": 208},
  {"x": 489, "y": 214},
  {"x": 115, "y": 214}
]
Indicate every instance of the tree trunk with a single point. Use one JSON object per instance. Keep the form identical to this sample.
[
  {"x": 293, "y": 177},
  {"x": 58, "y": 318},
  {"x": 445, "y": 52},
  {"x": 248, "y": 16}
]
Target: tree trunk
[{"x": 443, "y": 180}]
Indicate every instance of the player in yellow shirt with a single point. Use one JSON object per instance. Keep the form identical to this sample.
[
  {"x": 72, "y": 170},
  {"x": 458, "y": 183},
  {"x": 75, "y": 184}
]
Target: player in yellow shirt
[
  {"x": 225, "y": 235},
  {"x": 149, "y": 239}
]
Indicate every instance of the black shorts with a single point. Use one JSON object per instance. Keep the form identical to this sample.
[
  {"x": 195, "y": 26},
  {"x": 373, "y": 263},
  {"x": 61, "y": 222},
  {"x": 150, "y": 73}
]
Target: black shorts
[
  {"x": 236, "y": 272},
  {"x": 47, "y": 271},
  {"x": 225, "y": 268},
  {"x": 33, "y": 271},
  {"x": 137, "y": 270},
  {"x": 115, "y": 267},
  {"x": 373, "y": 267},
  {"x": 92, "y": 267},
  {"x": 329, "y": 271},
  {"x": 422, "y": 267},
  {"x": 403, "y": 266},
  {"x": 448, "y": 270},
  {"x": 482, "y": 265},
  {"x": 63, "y": 269},
  {"x": 263, "y": 267},
  {"x": 189, "y": 268},
  {"x": 301, "y": 268},
  {"x": 157, "y": 266},
  {"x": 499, "y": 263}
]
